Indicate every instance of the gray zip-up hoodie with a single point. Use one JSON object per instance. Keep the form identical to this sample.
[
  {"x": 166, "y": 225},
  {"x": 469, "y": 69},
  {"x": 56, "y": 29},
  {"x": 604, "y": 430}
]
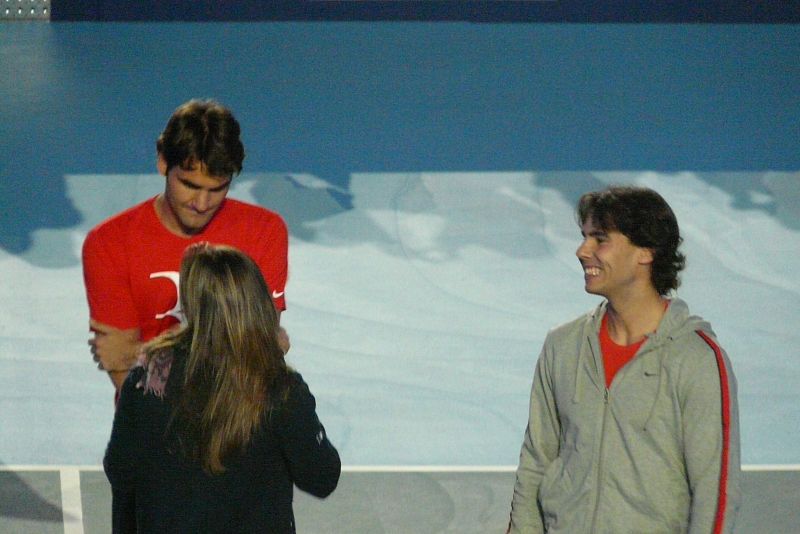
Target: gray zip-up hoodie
[{"x": 657, "y": 452}]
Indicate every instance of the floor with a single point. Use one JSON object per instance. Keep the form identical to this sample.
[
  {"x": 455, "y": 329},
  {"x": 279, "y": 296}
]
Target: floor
[{"x": 412, "y": 501}]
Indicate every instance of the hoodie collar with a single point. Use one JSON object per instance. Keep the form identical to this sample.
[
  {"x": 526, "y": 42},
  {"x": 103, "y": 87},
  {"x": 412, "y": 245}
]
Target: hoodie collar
[{"x": 677, "y": 321}]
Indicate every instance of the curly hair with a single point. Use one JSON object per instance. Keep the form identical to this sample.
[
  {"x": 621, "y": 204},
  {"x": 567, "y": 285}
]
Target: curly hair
[{"x": 644, "y": 217}]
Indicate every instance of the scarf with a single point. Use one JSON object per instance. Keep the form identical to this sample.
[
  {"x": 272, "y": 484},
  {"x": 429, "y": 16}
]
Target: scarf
[{"x": 157, "y": 372}]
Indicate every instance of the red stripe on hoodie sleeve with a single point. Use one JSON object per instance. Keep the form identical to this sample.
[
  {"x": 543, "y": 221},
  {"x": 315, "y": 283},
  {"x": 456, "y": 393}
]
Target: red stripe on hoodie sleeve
[{"x": 726, "y": 432}]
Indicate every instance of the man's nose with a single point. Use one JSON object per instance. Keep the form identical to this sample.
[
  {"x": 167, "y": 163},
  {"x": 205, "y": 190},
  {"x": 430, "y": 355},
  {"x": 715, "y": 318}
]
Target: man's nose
[
  {"x": 583, "y": 251},
  {"x": 201, "y": 201}
]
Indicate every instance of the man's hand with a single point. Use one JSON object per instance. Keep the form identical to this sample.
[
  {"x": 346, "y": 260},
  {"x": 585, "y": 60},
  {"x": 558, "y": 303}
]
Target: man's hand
[
  {"x": 283, "y": 340},
  {"x": 114, "y": 350}
]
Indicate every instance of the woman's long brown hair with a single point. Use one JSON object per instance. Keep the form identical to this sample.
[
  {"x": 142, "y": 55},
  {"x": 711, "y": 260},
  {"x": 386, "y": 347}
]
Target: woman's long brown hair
[{"x": 234, "y": 367}]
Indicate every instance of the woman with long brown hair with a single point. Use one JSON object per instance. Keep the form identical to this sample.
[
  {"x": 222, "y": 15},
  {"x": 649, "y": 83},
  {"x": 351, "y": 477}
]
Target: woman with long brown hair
[{"x": 213, "y": 429}]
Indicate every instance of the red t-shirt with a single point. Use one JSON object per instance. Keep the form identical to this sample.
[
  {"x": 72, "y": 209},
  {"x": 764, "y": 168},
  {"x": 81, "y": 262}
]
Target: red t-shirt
[
  {"x": 131, "y": 262},
  {"x": 615, "y": 356}
]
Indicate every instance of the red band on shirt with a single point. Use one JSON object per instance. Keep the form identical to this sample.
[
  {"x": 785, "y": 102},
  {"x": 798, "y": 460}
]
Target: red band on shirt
[{"x": 726, "y": 432}]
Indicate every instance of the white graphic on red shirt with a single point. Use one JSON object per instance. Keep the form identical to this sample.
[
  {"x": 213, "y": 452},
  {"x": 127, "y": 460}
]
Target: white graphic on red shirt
[{"x": 174, "y": 277}]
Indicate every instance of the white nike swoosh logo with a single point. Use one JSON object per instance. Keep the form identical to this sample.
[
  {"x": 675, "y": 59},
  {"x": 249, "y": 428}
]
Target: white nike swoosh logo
[{"x": 277, "y": 294}]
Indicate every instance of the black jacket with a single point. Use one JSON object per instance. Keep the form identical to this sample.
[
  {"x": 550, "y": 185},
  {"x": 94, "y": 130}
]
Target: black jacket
[{"x": 155, "y": 490}]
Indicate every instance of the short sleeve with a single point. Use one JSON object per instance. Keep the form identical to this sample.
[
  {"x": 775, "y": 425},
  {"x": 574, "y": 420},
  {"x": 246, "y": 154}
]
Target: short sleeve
[
  {"x": 107, "y": 286},
  {"x": 273, "y": 259}
]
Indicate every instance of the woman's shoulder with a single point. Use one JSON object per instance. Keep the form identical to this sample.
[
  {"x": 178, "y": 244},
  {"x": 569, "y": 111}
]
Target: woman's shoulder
[
  {"x": 131, "y": 393},
  {"x": 295, "y": 386},
  {"x": 135, "y": 378},
  {"x": 292, "y": 394},
  {"x": 294, "y": 377}
]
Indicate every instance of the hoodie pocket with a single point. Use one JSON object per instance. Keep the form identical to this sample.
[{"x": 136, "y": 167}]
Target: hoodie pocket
[{"x": 554, "y": 491}]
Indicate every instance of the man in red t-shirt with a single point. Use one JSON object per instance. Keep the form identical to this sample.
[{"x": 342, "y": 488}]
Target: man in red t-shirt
[{"x": 131, "y": 260}]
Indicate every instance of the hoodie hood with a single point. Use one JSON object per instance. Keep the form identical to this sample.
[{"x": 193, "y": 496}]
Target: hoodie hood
[{"x": 677, "y": 322}]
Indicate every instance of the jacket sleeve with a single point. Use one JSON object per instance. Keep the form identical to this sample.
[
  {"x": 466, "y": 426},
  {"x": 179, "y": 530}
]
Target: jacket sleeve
[
  {"x": 711, "y": 439},
  {"x": 313, "y": 461},
  {"x": 539, "y": 450},
  {"x": 120, "y": 458}
]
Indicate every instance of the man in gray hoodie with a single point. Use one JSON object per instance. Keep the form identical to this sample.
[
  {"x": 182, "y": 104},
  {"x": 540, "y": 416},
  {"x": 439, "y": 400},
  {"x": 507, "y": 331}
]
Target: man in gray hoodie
[{"x": 633, "y": 423}]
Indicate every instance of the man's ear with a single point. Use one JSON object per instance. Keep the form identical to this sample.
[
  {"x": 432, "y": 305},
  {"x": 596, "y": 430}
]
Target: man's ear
[
  {"x": 161, "y": 165},
  {"x": 646, "y": 256}
]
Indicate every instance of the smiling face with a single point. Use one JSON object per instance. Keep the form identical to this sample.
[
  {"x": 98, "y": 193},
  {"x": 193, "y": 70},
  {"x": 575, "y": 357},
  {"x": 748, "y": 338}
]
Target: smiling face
[
  {"x": 191, "y": 198},
  {"x": 613, "y": 267}
]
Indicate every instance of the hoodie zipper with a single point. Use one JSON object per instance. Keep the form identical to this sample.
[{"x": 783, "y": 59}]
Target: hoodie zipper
[{"x": 600, "y": 467}]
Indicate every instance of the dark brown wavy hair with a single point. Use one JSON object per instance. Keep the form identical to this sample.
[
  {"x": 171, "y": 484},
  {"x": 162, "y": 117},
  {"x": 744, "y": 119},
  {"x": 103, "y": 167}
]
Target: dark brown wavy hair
[
  {"x": 644, "y": 217},
  {"x": 202, "y": 132}
]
